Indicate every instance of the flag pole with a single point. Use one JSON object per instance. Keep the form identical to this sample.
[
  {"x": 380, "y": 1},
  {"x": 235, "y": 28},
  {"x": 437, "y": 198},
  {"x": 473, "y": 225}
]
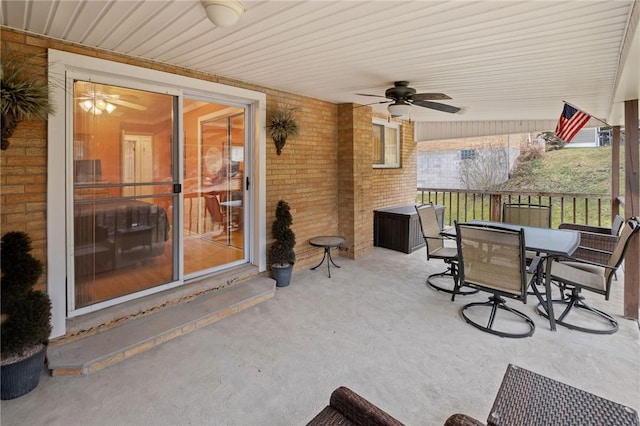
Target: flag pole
[{"x": 591, "y": 115}]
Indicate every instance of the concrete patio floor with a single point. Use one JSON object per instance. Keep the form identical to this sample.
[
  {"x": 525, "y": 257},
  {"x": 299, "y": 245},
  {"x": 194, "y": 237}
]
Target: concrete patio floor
[{"x": 374, "y": 327}]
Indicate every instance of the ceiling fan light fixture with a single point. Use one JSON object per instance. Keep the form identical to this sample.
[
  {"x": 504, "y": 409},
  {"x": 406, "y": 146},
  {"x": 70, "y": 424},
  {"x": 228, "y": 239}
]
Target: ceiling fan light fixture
[
  {"x": 223, "y": 13},
  {"x": 86, "y": 105},
  {"x": 97, "y": 107},
  {"x": 399, "y": 108}
]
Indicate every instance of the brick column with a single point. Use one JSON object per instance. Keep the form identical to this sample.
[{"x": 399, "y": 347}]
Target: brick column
[{"x": 355, "y": 202}]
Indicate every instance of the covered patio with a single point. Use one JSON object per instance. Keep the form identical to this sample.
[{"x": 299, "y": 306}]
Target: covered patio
[{"x": 374, "y": 327}]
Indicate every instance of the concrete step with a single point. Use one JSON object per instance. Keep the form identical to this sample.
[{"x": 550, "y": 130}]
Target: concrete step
[{"x": 100, "y": 350}]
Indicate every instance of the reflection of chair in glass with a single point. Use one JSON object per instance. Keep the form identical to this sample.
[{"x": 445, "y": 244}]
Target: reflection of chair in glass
[
  {"x": 578, "y": 275},
  {"x": 436, "y": 249},
  {"x": 527, "y": 215},
  {"x": 492, "y": 259},
  {"x": 218, "y": 218},
  {"x": 232, "y": 207}
]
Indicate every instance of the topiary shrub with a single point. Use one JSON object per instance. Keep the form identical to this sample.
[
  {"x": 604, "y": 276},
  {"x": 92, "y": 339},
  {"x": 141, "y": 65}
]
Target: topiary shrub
[
  {"x": 25, "y": 312},
  {"x": 281, "y": 251}
]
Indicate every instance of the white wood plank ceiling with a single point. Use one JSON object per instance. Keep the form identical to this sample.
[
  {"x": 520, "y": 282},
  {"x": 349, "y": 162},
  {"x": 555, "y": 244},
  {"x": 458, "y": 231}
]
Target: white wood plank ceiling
[{"x": 498, "y": 60}]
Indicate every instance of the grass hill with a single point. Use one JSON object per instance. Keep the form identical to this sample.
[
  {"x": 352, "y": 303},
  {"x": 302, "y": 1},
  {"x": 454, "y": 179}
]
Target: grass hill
[{"x": 567, "y": 170}]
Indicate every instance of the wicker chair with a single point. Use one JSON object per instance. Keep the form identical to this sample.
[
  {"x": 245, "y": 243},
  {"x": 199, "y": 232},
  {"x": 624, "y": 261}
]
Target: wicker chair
[
  {"x": 596, "y": 242},
  {"x": 462, "y": 420},
  {"x": 527, "y": 215},
  {"x": 577, "y": 275},
  {"x": 436, "y": 249},
  {"x": 348, "y": 408},
  {"x": 492, "y": 259}
]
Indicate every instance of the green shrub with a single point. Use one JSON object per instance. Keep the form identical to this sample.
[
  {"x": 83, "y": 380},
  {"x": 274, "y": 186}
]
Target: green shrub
[
  {"x": 26, "y": 313},
  {"x": 281, "y": 251}
]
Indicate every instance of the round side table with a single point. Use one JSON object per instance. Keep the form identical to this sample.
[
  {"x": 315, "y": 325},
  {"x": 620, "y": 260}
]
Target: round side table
[{"x": 326, "y": 242}]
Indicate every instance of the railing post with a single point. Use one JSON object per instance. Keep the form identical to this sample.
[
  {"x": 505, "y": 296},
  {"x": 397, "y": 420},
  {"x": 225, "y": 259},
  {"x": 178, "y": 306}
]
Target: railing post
[
  {"x": 615, "y": 172},
  {"x": 495, "y": 207}
]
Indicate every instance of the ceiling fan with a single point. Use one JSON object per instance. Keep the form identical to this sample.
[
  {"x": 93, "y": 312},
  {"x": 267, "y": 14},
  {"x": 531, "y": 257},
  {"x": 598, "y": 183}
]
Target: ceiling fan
[
  {"x": 96, "y": 102},
  {"x": 404, "y": 96}
]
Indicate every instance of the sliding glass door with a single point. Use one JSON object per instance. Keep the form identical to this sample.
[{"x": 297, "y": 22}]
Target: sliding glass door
[
  {"x": 214, "y": 199},
  {"x": 127, "y": 220},
  {"x": 124, "y": 169}
]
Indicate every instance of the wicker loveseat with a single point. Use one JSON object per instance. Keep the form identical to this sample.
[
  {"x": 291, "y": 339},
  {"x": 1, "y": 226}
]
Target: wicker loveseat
[
  {"x": 348, "y": 408},
  {"x": 596, "y": 243}
]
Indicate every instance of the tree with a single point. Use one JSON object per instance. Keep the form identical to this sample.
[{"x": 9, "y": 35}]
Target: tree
[{"x": 485, "y": 170}]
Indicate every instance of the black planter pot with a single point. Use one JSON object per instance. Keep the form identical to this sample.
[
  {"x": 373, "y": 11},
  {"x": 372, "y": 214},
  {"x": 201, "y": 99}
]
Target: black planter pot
[
  {"x": 22, "y": 376},
  {"x": 282, "y": 274}
]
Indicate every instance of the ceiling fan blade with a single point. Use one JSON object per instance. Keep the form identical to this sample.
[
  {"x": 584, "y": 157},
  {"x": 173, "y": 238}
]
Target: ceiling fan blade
[
  {"x": 366, "y": 94},
  {"x": 377, "y": 103},
  {"x": 437, "y": 106},
  {"x": 429, "y": 96},
  {"x": 128, "y": 104}
]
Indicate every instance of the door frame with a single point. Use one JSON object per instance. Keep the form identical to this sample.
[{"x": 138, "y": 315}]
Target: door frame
[{"x": 62, "y": 65}]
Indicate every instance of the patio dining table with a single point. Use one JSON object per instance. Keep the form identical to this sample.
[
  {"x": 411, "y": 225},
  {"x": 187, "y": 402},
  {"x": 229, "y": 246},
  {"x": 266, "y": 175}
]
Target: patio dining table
[{"x": 549, "y": 243}]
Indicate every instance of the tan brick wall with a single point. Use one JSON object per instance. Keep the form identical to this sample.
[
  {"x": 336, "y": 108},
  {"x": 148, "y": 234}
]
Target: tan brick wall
[
  {"x": 330, "y": 186},
  {"x": 355, "y": 183},
  {"x": 396, "y": 187},
  {"x": 305, "y": 174}
]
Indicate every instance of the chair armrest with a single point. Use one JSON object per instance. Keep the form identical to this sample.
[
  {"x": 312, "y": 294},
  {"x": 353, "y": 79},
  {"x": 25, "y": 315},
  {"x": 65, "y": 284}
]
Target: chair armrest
[
  {"x": 462, "y": 420},
  {"x": 533, "y": 266},
  {"x": 588, "y": 262},
  {"x": 358, "y": 410},
  {"x": 585, "y": 228}
]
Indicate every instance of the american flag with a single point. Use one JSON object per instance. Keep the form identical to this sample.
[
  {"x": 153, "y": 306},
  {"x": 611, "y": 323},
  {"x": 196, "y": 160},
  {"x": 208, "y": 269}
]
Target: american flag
[{"x": 571, "y": 121}]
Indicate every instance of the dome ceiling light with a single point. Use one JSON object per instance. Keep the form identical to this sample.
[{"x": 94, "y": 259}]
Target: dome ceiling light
[
  {"x": 399, "y": 108},
  {"x": 223, "y": 13}
]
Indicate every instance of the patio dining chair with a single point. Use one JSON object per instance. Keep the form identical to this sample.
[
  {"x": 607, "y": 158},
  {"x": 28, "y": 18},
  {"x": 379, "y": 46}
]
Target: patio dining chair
[
  {"x": 436, "y": 249},
  {"x": 492, "y": 259},
  {"x": 527, "y": 215},
  {"x": 576, "y": 275}
]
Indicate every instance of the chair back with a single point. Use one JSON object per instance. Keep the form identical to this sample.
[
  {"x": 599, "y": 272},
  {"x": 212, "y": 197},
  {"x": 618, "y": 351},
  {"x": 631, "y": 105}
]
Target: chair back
[
  {"x": 492, "y": 259},
  {"x": 616, "y": 225},
  {"x": 527, "y": 215},
  {"x": 629, "y": 230},
  {"x": 212, "y": 205},
  {"x": 430, "y": 228}
]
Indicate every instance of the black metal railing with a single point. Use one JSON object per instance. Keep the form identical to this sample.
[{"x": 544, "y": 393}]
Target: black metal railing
[{"x": 463, "y": 205}]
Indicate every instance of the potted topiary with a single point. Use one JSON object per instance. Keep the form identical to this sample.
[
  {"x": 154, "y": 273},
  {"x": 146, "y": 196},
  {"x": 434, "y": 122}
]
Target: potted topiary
[
  {"x": 281, "y": 254},
  {"x": 282, "y": 124},
  {"x": 26, "y": 317},
  {"x": 22, "y": 97}
]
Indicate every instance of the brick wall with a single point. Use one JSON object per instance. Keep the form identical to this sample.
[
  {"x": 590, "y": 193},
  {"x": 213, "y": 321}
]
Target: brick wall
[
  {"x": 329, "y": 186},
  {"x": 396, "y": 187}
]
